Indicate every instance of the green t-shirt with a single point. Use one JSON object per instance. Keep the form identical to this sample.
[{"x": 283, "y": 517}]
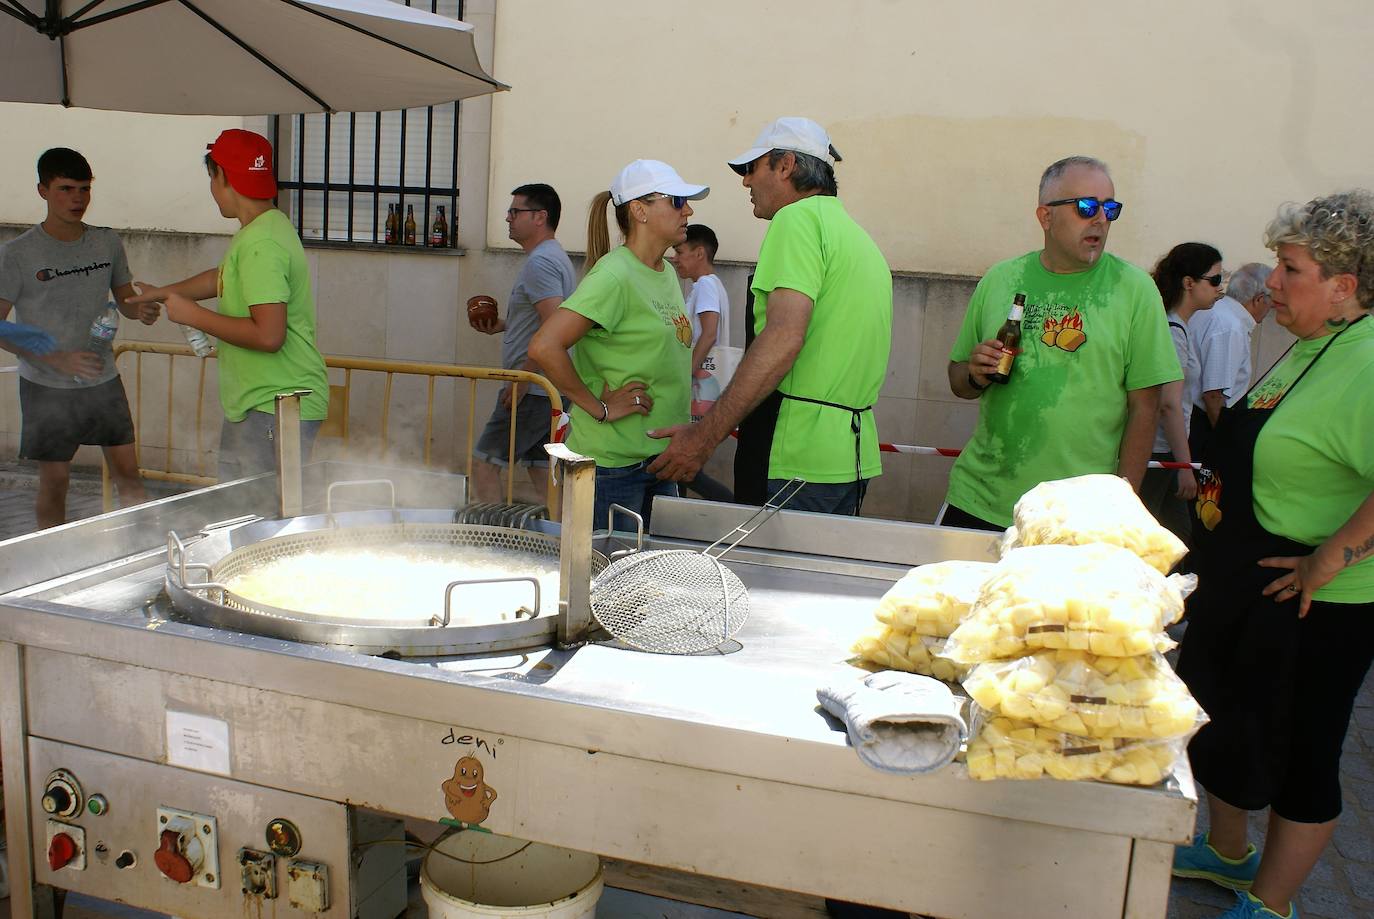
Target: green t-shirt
[
  {"x": 1314, "y": 460},
  {"x": 642, "y": 333},
  {"x": 266, "y": 264},
  {"x": 814, "y": 247},
  {"x": 1087, "y": 338}
]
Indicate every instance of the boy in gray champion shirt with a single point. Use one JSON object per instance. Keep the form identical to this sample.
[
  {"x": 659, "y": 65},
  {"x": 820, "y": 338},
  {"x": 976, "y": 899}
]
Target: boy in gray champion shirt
[
  {"x": 58, "y": 276},
  {"x": 545, "y": 280}
]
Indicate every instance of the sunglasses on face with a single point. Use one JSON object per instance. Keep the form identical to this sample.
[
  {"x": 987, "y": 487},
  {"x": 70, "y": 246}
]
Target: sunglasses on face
[
  {"x": 512, "y": 211},
  {"x": 1214, "y": 279},
  {"x": 678, "y": 202},
  {"x": 1087, "y": 207}
]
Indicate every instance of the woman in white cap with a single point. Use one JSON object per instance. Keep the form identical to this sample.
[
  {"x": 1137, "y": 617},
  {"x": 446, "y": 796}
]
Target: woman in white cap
[{"x": 632, "y": 369}]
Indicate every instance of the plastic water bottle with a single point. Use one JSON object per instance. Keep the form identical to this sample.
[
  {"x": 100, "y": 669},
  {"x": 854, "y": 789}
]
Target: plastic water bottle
[
  {"x": 103, "y": 329},
  {"x": 101, "y": 339},
  {"x": 200, "y": 343}
]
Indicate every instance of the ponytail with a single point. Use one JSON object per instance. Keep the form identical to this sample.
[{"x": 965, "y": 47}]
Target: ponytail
[
  {"x": 1186, "y": 260},
  {"x": 598, "y": 231}
]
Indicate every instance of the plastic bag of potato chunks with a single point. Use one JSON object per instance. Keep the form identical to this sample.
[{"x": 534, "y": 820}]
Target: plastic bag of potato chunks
[
  {"x": 933, "y": 599},
  {"x": 1010, "y": 749},
  {"x": 1091, "y": 696},
  {"x": 1093, "y": 508},
  {"x": 894, "y": 648},
  {"x": 1098, "y": 598}
]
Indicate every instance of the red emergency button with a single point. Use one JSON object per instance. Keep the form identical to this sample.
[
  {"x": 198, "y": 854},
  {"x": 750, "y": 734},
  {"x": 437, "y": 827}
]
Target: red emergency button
[
  {"x": 61, "y": 851},
  {"x": 169, "y": 859}
]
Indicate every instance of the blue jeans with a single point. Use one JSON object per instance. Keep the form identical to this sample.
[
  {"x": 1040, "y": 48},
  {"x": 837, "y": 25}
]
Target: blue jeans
[
  {"x": 628, "y": 486},
  {"x": 825, "y": 497}
]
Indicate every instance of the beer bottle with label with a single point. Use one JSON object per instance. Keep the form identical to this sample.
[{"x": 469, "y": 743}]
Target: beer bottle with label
[
  {"x": 410, "y": 225},
  {"x": 393, "y": 224},
  {"x": 438, "y": 236},
  {"x": 1009, "y": 337}
]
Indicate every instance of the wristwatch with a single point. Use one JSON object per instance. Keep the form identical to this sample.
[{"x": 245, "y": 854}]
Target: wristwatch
[{"x": 975, "y": 384}]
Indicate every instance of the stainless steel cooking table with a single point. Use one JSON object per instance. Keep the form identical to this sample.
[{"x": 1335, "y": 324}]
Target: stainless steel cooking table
[{"x": 717, "y": 763}]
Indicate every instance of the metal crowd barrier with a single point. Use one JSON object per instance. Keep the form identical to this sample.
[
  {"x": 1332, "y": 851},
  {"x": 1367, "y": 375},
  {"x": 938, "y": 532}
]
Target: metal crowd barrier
[{"x": 337, "y": 425}]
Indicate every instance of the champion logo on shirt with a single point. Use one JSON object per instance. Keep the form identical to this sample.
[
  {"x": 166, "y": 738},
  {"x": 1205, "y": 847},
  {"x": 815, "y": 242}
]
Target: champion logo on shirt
[{"x": 51, "y": 274}]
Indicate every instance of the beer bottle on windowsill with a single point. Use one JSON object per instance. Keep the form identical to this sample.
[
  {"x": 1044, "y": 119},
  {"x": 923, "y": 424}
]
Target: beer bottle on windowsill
[
  {"x": 410, "y": 225},
  {"x": 438, "y": 235},
  {"x": 393, "y": 224},
  {"x": 1009, "y": 337}
]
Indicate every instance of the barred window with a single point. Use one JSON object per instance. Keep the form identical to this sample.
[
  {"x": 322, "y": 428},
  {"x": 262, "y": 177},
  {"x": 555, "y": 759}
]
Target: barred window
[{"x": 339, "y": 174}]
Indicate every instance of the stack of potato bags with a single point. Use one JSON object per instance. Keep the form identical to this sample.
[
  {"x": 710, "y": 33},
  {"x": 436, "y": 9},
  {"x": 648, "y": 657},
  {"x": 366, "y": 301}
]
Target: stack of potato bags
[
  {"x": 1064, "y": 642},
  {"x": 918, "y": 614}
]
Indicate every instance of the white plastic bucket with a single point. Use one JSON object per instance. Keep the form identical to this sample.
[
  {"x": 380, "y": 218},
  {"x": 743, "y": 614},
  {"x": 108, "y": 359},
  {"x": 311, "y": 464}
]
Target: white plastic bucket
[{"x": 478, "y": 874}]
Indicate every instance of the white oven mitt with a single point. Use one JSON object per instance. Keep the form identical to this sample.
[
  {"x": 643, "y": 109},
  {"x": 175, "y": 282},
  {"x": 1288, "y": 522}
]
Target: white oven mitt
[{"x": 898, "y": 722}]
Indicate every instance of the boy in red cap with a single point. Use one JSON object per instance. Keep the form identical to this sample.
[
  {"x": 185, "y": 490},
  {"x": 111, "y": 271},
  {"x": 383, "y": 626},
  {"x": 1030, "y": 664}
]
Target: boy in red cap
[{"x": 266, "y": 317}]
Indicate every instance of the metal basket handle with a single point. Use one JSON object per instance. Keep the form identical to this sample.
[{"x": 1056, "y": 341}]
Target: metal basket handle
[
  {"x": 448, "y": 596},
  {"x": 177, "y": 566},
  {"x": 639, "y": 529},
  {"x": 355, "y": 483},
  {"x": 757, "y": 519}
]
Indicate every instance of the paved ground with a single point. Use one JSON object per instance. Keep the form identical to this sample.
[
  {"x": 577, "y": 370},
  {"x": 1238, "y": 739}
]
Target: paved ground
[{"x": 1341, "y": 887}]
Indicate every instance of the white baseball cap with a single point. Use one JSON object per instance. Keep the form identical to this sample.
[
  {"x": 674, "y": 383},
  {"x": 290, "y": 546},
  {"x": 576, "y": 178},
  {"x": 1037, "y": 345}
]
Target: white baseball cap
[
  {"x": 643, "y": 177},
  {"x": 801, "y": 135}
]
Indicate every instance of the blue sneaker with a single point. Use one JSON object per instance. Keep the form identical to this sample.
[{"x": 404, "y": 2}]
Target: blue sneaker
[
  {"x": 1200, "y": 860},
  {"x": 1248, "y": 906}
]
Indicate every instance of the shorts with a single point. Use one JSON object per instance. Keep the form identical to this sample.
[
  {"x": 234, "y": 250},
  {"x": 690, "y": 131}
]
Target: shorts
[
  {"x": 248, "y": 447},
  {"x": 532, "y": 418},
  {"x": 58, "y": 421},
  {"x": 1279, "y": 690}
]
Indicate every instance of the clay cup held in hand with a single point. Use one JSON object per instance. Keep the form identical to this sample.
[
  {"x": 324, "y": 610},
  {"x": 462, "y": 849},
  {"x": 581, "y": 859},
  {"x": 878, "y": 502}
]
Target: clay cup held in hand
[{"x": 482, "y": 311}]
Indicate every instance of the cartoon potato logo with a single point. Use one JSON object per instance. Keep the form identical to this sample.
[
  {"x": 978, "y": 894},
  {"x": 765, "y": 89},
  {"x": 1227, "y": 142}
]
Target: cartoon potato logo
[
  {"x": 1065, "y": 333},
  {"x": 467, "y": 797},
  {"x": 683, "y": 325}
]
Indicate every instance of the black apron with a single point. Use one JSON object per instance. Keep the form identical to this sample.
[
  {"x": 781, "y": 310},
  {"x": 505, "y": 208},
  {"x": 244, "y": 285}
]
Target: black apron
[
  {"x": 755, "y": 446},
  {"x": 1239, "y": 651}
]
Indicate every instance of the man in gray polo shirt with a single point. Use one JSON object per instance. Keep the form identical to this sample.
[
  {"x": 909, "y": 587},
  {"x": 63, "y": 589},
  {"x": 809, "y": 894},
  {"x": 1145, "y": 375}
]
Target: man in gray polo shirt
[
  {"x": 59, "y": 276},
  {"x": 544, "y": 281}
]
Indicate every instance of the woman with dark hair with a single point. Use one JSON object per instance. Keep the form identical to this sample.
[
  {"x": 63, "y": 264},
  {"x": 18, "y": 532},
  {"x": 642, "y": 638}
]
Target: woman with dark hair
[
  {"x": 632, "y": 369},
  {"x": 1189, "y": 279},
  {"x": 1281, "y": 627}
]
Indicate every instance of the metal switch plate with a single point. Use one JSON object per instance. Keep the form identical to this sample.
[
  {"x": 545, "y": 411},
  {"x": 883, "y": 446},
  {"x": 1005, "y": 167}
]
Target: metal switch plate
[
  {"x": 259, "y": 874},
  {"x": 194, "y": 828},
  {"x": 307, "y": 885}
]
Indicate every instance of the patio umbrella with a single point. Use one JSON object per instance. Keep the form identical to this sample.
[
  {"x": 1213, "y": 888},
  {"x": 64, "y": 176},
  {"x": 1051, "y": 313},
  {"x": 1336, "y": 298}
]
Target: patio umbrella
[{"x": 235, "y": 57}]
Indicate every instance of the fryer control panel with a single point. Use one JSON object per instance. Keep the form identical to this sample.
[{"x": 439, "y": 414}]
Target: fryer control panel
[{"x": 184, "y": 842}]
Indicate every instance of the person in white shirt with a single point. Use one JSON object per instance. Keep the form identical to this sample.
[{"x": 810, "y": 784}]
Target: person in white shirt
[
  {"x": 1220, "y": 338},
  {"x": 1189, "y": 280},
  {"x": 708, "y": 306}
]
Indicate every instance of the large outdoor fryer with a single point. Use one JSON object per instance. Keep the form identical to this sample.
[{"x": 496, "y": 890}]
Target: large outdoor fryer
[{"x": 718, "y": 764}]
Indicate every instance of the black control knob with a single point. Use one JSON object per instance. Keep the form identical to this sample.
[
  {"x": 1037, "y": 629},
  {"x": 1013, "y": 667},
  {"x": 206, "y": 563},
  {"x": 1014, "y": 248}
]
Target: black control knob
[
  {"x": 57, "y": 800},
  {"x": 125, "y": 859}
]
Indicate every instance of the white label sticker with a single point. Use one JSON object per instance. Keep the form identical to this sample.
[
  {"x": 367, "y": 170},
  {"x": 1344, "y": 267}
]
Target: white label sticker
[{"x": 197, "y": 742}]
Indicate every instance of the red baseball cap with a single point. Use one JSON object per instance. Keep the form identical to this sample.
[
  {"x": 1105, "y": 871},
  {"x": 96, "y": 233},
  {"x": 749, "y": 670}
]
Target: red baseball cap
[{"x": 246, "y": 159}]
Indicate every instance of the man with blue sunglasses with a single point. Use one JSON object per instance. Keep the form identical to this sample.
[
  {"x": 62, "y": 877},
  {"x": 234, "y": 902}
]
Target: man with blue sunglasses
[{"x": 1095, "y": 350}]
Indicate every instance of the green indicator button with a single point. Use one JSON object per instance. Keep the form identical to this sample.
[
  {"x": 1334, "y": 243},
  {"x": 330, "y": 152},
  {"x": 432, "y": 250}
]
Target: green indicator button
[{"x": 97, "y": 805}]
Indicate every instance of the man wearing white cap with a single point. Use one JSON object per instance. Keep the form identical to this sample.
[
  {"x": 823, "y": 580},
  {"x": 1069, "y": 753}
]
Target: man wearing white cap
[{"x": 817, "y": 338}]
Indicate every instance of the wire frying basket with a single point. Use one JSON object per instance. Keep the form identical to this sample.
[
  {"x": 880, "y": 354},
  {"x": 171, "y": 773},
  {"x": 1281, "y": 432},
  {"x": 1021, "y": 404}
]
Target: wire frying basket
[{"x": 675, "y": 601}]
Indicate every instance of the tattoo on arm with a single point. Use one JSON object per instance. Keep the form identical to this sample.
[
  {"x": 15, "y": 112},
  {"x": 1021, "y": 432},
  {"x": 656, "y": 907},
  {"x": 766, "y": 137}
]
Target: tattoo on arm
[{"x": 1355, "y": 553}]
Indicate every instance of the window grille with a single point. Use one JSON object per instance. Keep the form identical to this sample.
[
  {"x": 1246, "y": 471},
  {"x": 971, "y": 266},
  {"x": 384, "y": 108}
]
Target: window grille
[{"x": 337, "y": 174}]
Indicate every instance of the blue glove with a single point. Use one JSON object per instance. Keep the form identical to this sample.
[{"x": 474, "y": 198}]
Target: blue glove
[{"x": 27, "y": 337}]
